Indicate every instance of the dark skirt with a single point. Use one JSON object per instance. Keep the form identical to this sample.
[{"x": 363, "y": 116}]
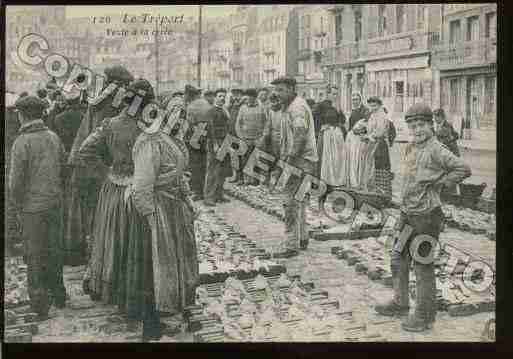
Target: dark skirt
[
  {"x": 176, "y": 255},
  {"x": 117, "y": 225}
]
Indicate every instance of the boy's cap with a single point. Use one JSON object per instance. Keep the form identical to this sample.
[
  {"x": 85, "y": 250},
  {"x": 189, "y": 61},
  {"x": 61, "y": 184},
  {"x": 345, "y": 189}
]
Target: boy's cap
[
  {"x": 177, "y": 93},
  {"x": 220, "y": 90},
  {"x": 237, "y": 90},
  {"x": 419, "y": 111},
  {"x": 32, "y": 106},
  {"x": 209, "y": 93}
]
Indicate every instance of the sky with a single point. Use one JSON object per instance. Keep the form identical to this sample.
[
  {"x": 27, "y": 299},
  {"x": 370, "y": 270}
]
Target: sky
[{"x": 209, "y": 11}]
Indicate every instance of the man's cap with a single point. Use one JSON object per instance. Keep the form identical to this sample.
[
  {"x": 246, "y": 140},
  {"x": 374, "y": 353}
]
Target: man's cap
[
  {"x": 251, "y": 92},
  {"x": 32, "y": 106},
  {"x": 23, "y": 94},
  {"x": 419, "y": 111},
  {"x": 263, "y": 89},
  {"x": 220, "y": 90},
  {"x": 118, "y": 73},
  {"x": 209, "y": 93},
  {"x": 177, "y": 93},
  {"x": 289, "y": 81},
  {"x": 439, "y": 112},
  {"x": 189, "y": 89},
  {"x": 375, "y": 99},
  {"x": 42, "y": 93},
  {"x": 144, "y": 85},
  {"x": 237, "y": 90}
]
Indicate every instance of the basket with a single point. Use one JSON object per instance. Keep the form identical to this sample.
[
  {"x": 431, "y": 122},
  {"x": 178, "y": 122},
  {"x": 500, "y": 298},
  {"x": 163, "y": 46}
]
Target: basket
[{"x": 468, "y": 190}]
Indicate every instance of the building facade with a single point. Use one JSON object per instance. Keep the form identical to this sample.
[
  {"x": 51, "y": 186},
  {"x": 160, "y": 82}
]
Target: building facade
[
  {"x": 384, "y": 50},
  {"x": 278, "y": 42},
  {"x": 464, "y": 64},
  {"x": 313, "y": 40}
]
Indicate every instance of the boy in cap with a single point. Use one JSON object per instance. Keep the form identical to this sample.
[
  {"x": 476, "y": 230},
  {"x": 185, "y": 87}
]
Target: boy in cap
[
  {"x": 250, "y": 127},
  {"x": 428, "y": 166},
  {"x": 216, "y": 171},
  {"x": 299, "y": 149},
  {"x": 35, "y": 185}
]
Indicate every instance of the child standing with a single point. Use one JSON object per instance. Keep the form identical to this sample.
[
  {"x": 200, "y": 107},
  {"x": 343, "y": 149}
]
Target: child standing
[{"x": 429, "y": 166}]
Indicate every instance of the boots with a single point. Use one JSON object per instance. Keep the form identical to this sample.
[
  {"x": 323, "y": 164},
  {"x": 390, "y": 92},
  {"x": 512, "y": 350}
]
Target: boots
[
  {"x": 399, "y": 305},
  {"x": 416, "y": 324}
]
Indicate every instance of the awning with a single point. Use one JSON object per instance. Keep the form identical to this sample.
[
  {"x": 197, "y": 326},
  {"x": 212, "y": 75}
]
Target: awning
[{"x": 398, "y": 64}]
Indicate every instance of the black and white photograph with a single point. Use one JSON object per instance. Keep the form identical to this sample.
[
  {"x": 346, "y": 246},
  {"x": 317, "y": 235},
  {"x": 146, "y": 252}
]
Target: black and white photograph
[{"x": 250, "y": 173}]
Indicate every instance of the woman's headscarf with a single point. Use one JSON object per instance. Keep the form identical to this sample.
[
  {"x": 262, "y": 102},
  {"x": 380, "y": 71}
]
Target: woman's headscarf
[{"x": 360, "y": 96}]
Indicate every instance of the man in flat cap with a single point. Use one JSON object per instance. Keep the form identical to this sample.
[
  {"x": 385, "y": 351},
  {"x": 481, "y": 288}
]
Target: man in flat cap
[
  {"x": 429, "y": 166},
  {"x": 217, "y": 171},
  {"x": 249, "y": 128},
  {"x": 210, "y": 96},
  {"x": 35, "y": 186},
  {"x": 299, "y": 149},
  {"x": 86, "y": 182},
  {"x": 197, "y": 118}
]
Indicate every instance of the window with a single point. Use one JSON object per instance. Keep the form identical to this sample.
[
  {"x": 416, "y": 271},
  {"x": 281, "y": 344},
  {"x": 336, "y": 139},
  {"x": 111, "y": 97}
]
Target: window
[
  {"x": 382, "y": 20},
  {"x": 453, "y": 93},
  {"x": 400, "y": 17},
  {"x": 489, "y": 106},
  {"x": 301, "y": 68},
  {"x": 357, "y": 26},
  {"x": 420, "y": 16},
  {"x": 491, "y": 25},
  {"x": 399, "y": 96},
  {"x": 454, "y": 31},
  {"x": 473, "y": 28},
  {"x": 338, "y": 29}
]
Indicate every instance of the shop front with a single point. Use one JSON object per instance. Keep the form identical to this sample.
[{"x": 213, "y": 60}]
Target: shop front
[{"x": 400, "y": 83}]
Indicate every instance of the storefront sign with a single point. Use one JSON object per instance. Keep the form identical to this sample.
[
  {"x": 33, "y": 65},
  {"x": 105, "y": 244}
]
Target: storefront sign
[{"x": 398, "y": 64}]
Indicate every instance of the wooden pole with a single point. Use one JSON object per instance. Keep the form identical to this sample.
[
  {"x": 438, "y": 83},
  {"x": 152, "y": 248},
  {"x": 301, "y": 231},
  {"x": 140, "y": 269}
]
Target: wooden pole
[
  {"x": 157, "y": 75},
  {"x": 199, "y": 47}
]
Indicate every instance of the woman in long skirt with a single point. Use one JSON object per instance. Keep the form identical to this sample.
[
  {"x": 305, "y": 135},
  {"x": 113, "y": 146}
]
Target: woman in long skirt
[
  {"x": 162, "y": 195},
  {"x": 117, "y": 225},
  {"x": 378, "y": 129},
  {"x": 331, "y": 148}
]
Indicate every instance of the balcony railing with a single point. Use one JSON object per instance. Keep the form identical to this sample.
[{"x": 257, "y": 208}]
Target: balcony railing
[
  {"x": 304, "y": 54},
  {"x": 223, "y": 73},
  {"x": 480, "y": 52},
  {"x": 269, "y": 69},
  {"x": 410, "y": 42},
  {"x": 341, "y": 54}
]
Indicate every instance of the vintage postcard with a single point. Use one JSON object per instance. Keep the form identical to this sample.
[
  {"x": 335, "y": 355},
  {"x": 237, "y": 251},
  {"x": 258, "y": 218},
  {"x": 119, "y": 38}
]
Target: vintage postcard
[{"x": 250, "y": 173}]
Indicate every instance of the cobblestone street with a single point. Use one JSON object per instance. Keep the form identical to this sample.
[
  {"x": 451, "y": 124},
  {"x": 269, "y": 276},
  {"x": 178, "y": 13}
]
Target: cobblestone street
[{"x": 85, "y": 321}]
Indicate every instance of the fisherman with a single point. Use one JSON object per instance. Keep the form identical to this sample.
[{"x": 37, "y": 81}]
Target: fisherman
[
  {"x": 429, "y": 166},
  {"x": 35, "y": 186},
  {"x": 299, "y": 149},
  {"x": 197, "y": 119},
  {"x": 250, "y": 127},
  {"x": 217, "y": 170}
]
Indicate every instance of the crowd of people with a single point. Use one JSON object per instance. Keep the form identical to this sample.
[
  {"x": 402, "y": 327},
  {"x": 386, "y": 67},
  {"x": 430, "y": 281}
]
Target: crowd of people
[{"x": 99, "y": 186}]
